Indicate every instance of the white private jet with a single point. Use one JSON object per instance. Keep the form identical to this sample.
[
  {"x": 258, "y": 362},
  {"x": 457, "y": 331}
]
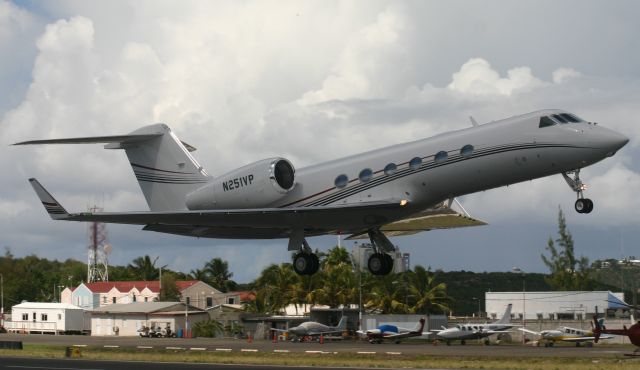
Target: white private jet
[
  {"x": 313, "y": 328},
  {"x": 463, "y": 332},
  {"x": 393, "y": 332},
  {"x": 395, "y": 190},
  {"x": 565, "y": 334}
]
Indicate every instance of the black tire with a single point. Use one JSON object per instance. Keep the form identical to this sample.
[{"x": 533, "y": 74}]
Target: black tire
[
  {"x": 463, "y": 342},
  {"x": 388, "y": 260},
  {"x": 376, "y": 264},
  {"x": 580, "y": 205},
  {"x": 315, "y": 263},
  {"x": 302, "y": 263},
  {"x": 589, "y": 203}
]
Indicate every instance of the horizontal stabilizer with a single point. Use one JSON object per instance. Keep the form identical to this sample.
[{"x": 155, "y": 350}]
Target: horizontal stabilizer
[
  {"x": 93, "y": 140},
  {"x": 54, "y": 209}
]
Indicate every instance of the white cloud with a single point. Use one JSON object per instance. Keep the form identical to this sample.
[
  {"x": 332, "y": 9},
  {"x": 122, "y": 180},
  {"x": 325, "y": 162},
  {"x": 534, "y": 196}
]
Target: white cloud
[
  {"x": 476, "y": 77},
  {"x": 310, "y": 81}
]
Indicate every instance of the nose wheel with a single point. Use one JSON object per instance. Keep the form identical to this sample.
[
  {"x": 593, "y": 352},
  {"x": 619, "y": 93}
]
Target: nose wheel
[{"x": 582, "y": 205}]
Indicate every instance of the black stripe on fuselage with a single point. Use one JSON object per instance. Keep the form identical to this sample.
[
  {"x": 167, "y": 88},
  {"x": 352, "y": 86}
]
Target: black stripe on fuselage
[{"x": 344, "y": 193}]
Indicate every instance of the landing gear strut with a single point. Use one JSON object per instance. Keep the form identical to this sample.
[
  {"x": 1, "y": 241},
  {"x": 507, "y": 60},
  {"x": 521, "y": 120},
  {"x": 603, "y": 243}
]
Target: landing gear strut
[
  {"x": 305, "y": 262},
  {"x": 380, "y": 263},
  {"x": 582, "y": 205}
]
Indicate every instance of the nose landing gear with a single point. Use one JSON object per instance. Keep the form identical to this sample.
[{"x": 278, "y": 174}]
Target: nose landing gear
[{"x": 582, "y": 205}]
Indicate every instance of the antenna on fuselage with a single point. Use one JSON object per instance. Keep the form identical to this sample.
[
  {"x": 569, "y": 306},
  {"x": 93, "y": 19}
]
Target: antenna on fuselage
[{"x": 473, "y": 121}]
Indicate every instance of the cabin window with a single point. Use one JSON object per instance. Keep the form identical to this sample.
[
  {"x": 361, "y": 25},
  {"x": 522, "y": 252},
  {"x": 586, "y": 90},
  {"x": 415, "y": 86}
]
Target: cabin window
[
  {"x": 365, "y": 175},
  {"x": 390, "y": 169},
  {"x": 415, "y": 163},
  {"x": 466, "y": 150},
  {"x": 546, "y": 122},
  {"x": 440, "y": 157},
  {"x": 557, "y": 117},
  {"x": 341, "y": 181}
]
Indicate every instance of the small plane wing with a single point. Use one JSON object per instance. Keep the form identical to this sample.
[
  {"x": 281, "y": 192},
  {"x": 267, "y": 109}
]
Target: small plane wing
[
  {"x": 273, "y": 222},
  {"x": 443, "y": 216},
  {"x": 586, "y": 339},
  {"x": 529, "y": 331}
]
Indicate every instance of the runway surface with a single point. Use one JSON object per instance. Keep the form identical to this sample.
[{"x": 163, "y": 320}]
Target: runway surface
[{"x": 346, "y": 346}]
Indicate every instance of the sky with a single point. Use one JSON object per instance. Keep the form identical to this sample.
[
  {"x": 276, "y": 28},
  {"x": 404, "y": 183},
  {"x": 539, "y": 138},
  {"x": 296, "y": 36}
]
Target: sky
[{"x": 311, "y": 81}]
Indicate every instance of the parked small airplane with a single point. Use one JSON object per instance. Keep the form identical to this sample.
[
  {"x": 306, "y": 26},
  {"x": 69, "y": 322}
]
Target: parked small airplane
[
  {"x": 313, "y": 328},
  {"x": 398, "y": 190},
  {"x": 462, "y": 332},
  {"x": 394, "y": 333},
  {"x": 633, "y": 332},
  {"x": 565, "y": 334}
]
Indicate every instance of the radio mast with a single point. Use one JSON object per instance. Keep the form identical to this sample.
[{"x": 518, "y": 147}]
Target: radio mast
[{"x": 98, "y": 251}]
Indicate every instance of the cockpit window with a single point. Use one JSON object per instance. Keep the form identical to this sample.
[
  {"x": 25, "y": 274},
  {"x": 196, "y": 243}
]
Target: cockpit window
[
  {"x": 570, "y": 117},
  {"x": 560, "y": 118},
  {"x": 546, "y": 122}
]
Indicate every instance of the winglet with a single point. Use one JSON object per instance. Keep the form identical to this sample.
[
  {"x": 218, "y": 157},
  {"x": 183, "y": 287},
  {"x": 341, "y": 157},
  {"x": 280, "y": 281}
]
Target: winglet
[{"x": 54, "y": 209}]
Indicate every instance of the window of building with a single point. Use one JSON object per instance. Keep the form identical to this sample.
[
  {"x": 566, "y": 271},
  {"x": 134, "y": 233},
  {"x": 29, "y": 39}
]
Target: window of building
[
  {"x": 440, "y": 157},
  {"x": 146, "y": 299},
  {"x": 365, "y": 175},
  {"x": 231, "y": 300},
  {"x": 43, "y": 317},
  {"x": 466, "y": 150},
  {"x": 133, "y": 298},
  {"x": 390, "y": 169},
  {"x": 33, "y": 317},
  {"x": 25, "y": 317},
  {"x": 188, "y": 300},
  {"x": 341, "y": 181},
  {"x": 59, "y": 316},
  {"x": 113, "y": 300},
  {"x": 546, "y": 122},
  {"x": 415, "y": 163},
  {"x": 104, "y": 299},
  {"x": 209, "y": 301}
]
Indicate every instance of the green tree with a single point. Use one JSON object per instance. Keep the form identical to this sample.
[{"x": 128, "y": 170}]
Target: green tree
[
  {"x": 170, "y": 291},
  {"x": 566, "y": 271},
  {"x": 207, "y": 329},
  {"x": 219, "y": 275},
  {"x": 275, "y": 285},
  {"x": 427, "y": 295},
  {"x": 143, "y": 268}
]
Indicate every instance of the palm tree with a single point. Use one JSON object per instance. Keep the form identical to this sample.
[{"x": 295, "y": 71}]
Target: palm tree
[
  {"x": 143, "y": 268},
  {"x": 428, "y": 295},
  {"x": 276, "y": 283},
  {"x": 384, "y": 295},
  {"x": 219, "y": 275},
  {"x": 199, "y": 274}
]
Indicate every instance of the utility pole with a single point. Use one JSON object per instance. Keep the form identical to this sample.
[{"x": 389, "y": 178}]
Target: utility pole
[{"x": 1, "y": 300}]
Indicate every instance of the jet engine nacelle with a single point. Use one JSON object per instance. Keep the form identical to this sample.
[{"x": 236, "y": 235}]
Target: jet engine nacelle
[{"x": 255, "y": 185}]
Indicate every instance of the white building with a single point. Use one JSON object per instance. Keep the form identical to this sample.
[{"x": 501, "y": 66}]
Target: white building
[
  {"x": 36, "y": 317},
  {"x": 127, "y": 319},
  {"x": 570, "y": 305}
]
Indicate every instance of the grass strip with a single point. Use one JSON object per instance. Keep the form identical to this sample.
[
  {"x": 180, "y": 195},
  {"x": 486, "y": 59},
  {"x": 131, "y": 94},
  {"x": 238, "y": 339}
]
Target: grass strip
[{"x": 379, "y": 360}]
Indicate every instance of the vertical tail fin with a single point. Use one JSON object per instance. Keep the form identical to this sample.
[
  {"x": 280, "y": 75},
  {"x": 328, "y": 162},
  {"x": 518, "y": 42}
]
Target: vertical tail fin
[
  {"x": 165, "y": 169},
  {"x": 342, "y": 324},
  {"x": 419, "y": 328},
  {"x": 506, "y": 318}
]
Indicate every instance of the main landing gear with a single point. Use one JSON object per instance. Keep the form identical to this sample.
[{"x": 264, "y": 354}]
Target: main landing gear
[
  {"x": 305, "y": 262},
  {"x": 582, "y": 205},
  {"x": 380, "y": 263}
]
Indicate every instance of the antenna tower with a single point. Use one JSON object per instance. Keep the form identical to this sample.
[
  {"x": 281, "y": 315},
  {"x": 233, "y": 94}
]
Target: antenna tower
[{"x": 98, "y": 251}]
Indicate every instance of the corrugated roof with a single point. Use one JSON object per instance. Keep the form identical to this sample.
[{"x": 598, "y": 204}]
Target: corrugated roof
[
  {"x": 47, "y": 305},
  {"x": 141, "y": 307}
]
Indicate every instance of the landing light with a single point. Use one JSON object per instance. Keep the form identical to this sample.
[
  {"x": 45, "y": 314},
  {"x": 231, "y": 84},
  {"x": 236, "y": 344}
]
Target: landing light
[
  {"x": 404, "y": 202},
  {"x": 583, "y": 187}
]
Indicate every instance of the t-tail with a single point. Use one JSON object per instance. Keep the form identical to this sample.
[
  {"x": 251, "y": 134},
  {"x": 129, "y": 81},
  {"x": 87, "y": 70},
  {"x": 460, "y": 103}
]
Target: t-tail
[
  {"x": 506, "y": 318},
  {"x": 162, "y": 164}
]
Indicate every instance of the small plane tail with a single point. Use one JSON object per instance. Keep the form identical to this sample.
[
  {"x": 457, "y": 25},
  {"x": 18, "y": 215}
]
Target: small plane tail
[
  {"x": 342, "y": 324},
  {"x": 162, "y": 164},
  {"x": 506, "y": 318},
  {"x": 419, "y": 328}
]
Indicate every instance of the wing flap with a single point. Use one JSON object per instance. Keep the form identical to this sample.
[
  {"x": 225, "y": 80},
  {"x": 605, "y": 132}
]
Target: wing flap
[{"x": 439, "y": 217}]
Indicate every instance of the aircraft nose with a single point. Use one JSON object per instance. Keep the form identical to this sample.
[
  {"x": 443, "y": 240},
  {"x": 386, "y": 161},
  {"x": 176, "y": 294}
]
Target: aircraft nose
[{"x": 612, "y": 141}]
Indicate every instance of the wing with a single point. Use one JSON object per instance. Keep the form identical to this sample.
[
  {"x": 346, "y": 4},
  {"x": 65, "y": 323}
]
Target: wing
[
  {"x": 241, "y": 223},
  {"x": 529, "y": 331},
  {"x": 586, "y": 339},
  {"x": 442, "y": 216}
]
